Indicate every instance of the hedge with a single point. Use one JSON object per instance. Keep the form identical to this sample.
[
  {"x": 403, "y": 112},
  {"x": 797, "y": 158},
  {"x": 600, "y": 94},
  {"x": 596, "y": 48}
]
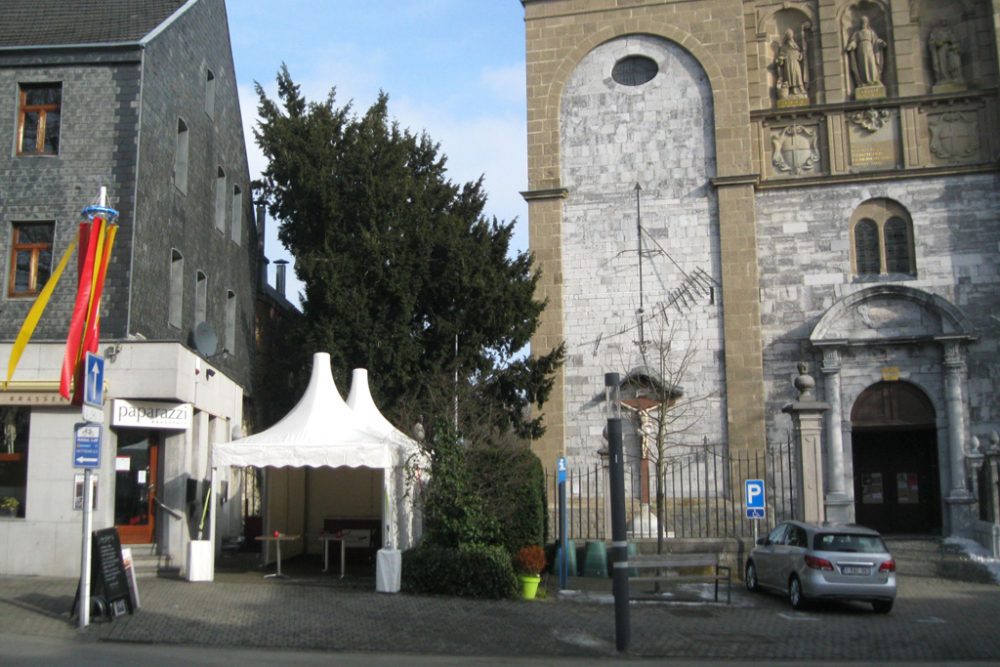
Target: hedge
[{"x": 475, "y": 571}]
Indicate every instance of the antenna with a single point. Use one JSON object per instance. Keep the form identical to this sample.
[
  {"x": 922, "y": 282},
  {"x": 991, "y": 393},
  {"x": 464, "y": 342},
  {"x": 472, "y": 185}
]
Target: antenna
[
  {"x": 205, "y": 339},
  {"x": 638, "y": 228}
]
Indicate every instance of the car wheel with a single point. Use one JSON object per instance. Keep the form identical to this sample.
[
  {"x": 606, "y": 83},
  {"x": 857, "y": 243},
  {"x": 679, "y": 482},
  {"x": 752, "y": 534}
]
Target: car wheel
[
  {"x": 795, "y": 596},
  {"x": 750, "y": 577},
  {"x": 882, "y": 606}
]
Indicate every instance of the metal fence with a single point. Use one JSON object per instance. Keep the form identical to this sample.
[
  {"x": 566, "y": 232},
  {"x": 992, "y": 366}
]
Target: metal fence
[{"x": 703, "y": 495}]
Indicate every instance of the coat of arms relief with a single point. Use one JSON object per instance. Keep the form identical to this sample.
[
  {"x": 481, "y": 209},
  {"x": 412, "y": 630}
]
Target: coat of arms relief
[{"x": 795, "y": 150}]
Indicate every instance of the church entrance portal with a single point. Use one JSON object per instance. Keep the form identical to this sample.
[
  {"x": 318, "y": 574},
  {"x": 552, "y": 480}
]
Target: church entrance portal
[{"x": 894, "y": 444}]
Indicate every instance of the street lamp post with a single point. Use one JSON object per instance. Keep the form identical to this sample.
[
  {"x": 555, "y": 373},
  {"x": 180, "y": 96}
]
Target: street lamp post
[{"x": 619, "y": 545}]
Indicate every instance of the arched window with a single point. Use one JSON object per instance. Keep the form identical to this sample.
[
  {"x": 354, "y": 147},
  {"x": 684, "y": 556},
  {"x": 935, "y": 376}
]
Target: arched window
[
  {"x": 882, "y": 240},
  {"x": 897, "y": 246},
  {"x": 866, "y": 252}
]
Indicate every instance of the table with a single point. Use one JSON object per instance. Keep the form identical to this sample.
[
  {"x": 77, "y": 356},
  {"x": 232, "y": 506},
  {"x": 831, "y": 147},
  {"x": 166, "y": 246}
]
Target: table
[
  {"x": 327, "y": 538},
  {"x": 277, "y": 539}
]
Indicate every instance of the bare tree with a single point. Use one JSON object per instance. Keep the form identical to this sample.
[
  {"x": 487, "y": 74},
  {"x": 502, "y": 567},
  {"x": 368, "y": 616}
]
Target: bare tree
[{"x": 654, "y": 393}]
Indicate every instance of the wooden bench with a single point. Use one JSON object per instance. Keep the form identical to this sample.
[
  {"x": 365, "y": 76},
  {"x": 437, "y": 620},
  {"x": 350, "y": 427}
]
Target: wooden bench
[{"x": 677, "y": 568}]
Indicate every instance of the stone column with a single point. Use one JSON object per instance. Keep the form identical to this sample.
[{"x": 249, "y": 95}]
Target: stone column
[
  {"x": 960, "y": 501},
  {"x": 954, "y": 366},
  {"x": 807, "y": 417},
  {"x": 838, "y": 501}
]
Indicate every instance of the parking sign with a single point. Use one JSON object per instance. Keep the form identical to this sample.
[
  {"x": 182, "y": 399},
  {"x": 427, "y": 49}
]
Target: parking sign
[{"x": 755, "y": 499}]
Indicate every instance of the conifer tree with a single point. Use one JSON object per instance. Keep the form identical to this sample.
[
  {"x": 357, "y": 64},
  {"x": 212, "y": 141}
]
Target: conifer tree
[{"x": 398, "y": 264}]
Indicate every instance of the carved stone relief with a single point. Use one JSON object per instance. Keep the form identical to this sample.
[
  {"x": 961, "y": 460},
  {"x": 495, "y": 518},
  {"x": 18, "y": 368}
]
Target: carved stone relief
[
  {"x": 887, "y": 318},
  {"x": 954, "y": 135},
  {"x": 871, "y": 120},
  {"x": 795, "y": 150}
]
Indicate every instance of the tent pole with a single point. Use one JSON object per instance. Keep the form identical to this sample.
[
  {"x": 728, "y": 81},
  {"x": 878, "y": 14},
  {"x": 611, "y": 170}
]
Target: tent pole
[
  {"x": 265, "y": 514},
  {"x": 213, "y": 503}
]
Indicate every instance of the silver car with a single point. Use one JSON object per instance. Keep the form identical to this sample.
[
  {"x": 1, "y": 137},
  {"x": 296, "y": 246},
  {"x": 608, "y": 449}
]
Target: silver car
[{"x": 807, "y": 561}]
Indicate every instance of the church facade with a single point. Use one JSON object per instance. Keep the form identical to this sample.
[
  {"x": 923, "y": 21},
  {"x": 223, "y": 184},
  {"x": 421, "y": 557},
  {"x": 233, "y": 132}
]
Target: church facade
[{"x": 727, "y": 195}]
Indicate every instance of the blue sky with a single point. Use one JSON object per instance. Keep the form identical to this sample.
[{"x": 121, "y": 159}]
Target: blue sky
[{"x": 452, "y": 68}]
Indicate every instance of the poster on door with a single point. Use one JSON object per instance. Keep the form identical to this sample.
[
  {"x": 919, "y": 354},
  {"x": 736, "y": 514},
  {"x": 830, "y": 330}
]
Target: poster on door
[
  {"x": 871, "y": 488},
  {"x": 907, "y": 488}
]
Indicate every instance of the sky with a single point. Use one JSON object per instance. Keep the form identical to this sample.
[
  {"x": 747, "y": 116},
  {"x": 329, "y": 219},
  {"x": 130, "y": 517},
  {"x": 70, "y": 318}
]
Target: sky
[{"x": 452, "y": 68}]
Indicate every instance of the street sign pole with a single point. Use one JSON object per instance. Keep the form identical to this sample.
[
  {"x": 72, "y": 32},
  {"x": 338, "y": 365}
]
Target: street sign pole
[
  {"x": 83, "y": 611},
  {"x": 86, "y": 455},
  {"x": 563, "y": 538}
]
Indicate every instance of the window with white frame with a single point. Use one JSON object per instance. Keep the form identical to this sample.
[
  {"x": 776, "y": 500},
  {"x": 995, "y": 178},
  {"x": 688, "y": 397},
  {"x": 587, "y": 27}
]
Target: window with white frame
[
  {"x": 181, "y": 149},
  {"x": 237, "y": 215},
  {"x": 200, "y": 297},
  {"x": 210, "y": 93},
  {"x": 230, "y": 339},
  {"x": 175, "y": 309},
  {"x": 220, "y": 200}
]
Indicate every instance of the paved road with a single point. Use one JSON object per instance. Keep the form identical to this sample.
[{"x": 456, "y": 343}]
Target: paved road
[{"x": 935, "y": 619}]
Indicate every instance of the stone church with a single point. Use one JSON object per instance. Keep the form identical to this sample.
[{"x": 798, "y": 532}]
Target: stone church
[{"x": 730, "y": 197}]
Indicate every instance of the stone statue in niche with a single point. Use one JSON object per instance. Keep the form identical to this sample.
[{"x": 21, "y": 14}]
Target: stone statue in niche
[
  {"x": 946, "y": 59},
  {"x": 791, "y": 67},
  {"x": 866, "y": 53}
]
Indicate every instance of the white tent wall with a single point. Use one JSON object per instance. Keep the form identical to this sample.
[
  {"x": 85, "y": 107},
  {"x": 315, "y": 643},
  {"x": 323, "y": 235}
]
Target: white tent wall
[
  {"x": 284, "y": 510},
  {"x": 342, "y": 493}
]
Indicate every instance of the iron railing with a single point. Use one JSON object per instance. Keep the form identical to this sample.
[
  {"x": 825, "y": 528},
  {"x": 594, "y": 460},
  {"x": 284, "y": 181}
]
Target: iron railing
[{"x": 703, "y": 494}]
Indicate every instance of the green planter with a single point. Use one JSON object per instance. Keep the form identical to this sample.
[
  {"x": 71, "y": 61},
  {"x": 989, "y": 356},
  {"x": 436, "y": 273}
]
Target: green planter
[{"x": 529, "y": 585}]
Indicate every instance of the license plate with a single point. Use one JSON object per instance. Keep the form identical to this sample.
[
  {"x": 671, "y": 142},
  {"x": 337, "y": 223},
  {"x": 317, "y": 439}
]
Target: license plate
[{"x": 855, "y": 569}]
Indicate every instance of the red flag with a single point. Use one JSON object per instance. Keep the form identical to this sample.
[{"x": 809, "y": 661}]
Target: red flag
[
  {"x": 92, "y": 332},
  {"x": 89, "y": 234}
]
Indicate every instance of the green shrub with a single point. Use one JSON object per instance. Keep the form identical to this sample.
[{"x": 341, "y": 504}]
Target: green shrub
[
  {"x": 510, "y": 481},
  {"x": 469, "y": 571},
  {"x": 454, "y": 513}
]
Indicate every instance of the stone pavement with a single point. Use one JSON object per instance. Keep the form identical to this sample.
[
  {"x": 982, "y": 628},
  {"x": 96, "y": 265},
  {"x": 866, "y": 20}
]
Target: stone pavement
[{"x": 935, "y": 619}]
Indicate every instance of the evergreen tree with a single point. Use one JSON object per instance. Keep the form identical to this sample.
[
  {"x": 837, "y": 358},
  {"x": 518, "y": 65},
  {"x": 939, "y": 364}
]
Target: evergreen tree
[{"x": 399, "y": 263}]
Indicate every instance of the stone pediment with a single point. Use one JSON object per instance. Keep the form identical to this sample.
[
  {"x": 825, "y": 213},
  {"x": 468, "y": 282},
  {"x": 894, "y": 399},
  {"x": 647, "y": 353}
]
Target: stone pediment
[{"x": 889, "y": 313}]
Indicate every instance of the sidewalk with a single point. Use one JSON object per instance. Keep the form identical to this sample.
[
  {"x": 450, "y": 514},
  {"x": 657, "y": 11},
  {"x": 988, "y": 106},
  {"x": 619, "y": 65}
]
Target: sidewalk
[{"x": 934, "y": 619}]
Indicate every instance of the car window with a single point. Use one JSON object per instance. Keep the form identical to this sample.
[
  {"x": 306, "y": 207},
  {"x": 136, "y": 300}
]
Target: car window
[
  {"x": 849, "y": 543},
  {"x": 777, "y": 536},
  {"x": 796, "y": 537}
]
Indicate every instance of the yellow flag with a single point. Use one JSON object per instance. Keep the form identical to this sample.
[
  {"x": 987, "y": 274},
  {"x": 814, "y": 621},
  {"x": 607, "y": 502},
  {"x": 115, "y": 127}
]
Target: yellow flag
[{"x": 35, "y": 314}]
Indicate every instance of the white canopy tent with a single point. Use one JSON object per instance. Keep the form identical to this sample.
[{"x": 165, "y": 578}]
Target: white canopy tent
[{"x": 324, "y": 432}]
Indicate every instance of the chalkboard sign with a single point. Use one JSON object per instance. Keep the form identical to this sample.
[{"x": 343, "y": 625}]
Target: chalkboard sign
[{"x": 107, "y": 574}]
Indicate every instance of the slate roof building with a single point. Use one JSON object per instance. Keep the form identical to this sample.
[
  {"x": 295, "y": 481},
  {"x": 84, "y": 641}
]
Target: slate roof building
[
  {"x": 139, "y": 98},
  {"x": 813, "y": 181}
]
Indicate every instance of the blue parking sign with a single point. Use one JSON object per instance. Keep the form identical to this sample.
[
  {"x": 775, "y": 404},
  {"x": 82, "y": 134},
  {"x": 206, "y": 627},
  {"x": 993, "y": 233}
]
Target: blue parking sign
[
  {"x": 756, "y": 500},
  {"x": 561, "y": 469}
]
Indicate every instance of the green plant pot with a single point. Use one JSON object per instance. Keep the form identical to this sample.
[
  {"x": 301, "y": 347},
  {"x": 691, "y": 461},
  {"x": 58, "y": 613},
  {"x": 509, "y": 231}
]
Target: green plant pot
[{"x": 529, "y": 585}]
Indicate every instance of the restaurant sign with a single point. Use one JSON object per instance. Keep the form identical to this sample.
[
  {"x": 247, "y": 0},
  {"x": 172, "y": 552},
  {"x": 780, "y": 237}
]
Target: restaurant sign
[{"x": 151, "y": 414}]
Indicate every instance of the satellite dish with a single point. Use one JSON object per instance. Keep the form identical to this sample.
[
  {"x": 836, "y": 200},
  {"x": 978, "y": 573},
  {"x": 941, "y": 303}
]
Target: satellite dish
[{"x": 204, "y": 338}]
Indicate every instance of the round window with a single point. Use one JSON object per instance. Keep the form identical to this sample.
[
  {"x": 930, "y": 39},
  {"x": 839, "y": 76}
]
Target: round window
[{"x": 634, "y": 70}]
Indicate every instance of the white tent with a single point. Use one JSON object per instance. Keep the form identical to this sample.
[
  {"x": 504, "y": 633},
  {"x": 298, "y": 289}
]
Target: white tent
[{"x": 353, "y": 444}]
